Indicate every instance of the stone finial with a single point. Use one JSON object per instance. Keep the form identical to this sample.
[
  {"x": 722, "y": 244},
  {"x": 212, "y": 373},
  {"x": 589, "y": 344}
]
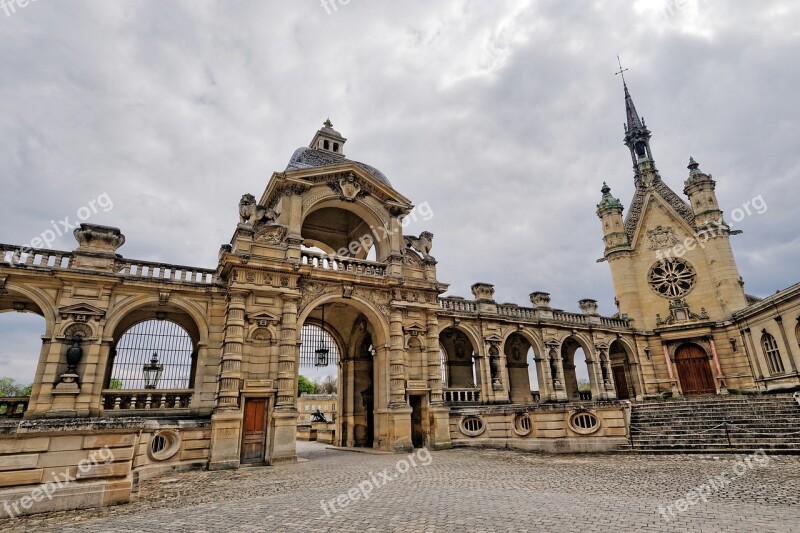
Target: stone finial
[
  {"x": 98, "y": 240},
  {"x": 483, "y": 291},
  {"x": 540, "y": 300},
  {"x": 588, "y": 306}
]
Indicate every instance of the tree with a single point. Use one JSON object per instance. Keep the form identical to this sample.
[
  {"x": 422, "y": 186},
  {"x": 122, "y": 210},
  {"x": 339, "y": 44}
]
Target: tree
[
  {"x": 328, "y": 385},
  {"x": 8, "y": 387},
  {"x": 305, "y": 385},
  {"x": 115, "y": 384}
]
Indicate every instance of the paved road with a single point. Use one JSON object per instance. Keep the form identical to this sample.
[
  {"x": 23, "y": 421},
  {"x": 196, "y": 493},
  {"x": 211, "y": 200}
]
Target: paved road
[{"x": 459, "y": 490}]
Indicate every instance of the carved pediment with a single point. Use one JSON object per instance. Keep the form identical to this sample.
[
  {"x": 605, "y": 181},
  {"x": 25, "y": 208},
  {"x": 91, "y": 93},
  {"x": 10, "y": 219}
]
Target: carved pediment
[
  {"x": 262, "y": 318},
  {"x": 81, "y": 312},
  {"x": 414, "y": 329}
]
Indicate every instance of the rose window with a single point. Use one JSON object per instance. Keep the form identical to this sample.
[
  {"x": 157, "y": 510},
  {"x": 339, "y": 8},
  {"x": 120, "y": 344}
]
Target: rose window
[{"x": 672, "y": 278}]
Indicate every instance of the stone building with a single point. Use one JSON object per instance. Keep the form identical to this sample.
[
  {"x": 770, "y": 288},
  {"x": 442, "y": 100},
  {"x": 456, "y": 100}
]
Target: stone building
[{"x": 168, "y": 367}]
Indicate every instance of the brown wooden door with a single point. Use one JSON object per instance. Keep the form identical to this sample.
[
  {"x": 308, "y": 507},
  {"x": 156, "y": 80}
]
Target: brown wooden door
[
  {"x": 255, "y": 431},
  {"x": 694, "y": 370},
  {"x": 621, "y": 382},
  {"x": 417, "y": 432}
]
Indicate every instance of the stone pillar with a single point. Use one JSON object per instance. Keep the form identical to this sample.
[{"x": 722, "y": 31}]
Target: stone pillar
[
  {"x": 789, "y": 351},
  {"x": 284, "y": 419},
  {"x": 399, "y": 415},
  {"x": 226, "y": 422},
  {"x": 595, "y": 375},
  {"x": 723, "y": 389},
  {"x": 753, "y": 355},
  {"x": 673, "y": 382},
  {"x": 439, "y": 438},
  {"x": 555, "y": 373}
]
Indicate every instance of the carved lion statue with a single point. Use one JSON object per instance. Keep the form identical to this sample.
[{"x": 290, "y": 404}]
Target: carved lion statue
[
  {"x": 251, "y": 213},
  {"x": 421, "y": 244}
]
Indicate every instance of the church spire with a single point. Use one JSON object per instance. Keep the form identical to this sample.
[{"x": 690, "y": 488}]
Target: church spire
[{"x": 637, "y": 137}]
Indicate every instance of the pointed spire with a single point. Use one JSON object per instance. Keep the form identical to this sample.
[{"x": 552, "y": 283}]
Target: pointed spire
[
  {"x": 694, "y": 166},
  {"x": 634, "y": 122}
]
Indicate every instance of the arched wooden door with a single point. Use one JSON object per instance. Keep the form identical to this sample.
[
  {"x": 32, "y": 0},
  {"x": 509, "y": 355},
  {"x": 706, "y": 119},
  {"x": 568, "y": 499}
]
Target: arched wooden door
[{"x": 694, "y": 371}]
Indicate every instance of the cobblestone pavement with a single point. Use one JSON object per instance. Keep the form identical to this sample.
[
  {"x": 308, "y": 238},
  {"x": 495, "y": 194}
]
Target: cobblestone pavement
[{"x": 459, "y": 490}]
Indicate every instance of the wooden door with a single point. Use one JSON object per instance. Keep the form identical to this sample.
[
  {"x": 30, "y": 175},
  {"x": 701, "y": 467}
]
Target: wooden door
[
  {"x": 621, "y": 382},
  {"x": 254, "y": 433},
  {"x": 417, "y": 432},
  {"x": 694, "y": 370}
]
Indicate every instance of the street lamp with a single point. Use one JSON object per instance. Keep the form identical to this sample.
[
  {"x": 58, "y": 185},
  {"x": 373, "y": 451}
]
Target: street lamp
[
  {"x": 152, "y": 372},
  {"x": 322, "y": 351}
]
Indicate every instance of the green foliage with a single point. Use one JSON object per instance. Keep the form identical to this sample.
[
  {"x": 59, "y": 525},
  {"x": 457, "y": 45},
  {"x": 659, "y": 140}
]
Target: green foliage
[
  {"x": 8, "y": 387},
  {"x": 584, "y": 386},
  {"x": 305, "y": 385},
  {"x": 115, "y": 384}
]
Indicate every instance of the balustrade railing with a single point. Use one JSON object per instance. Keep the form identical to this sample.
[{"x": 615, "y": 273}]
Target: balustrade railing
[
  {"x": 458, "y": 304},
  {"x": 585, "y": 396},
  {"x": 536, "y": 395},
  {"x": 461, "y": 395},
  {"x": 516, "y": 311},
  {"x": 146, "y": 399},
  {"x": 343, "y": 264},
  {"x": 13, "y": 406},
  {"x": 614, "y": 322},
  {"x": 33, "y": 257},
  {"x": 572, "y": 318},
  {"x": 166, "y": 272}
]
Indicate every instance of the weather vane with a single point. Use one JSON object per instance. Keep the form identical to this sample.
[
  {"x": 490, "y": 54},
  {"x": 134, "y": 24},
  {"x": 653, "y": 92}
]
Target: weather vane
[{"x": 621, "y": 70}]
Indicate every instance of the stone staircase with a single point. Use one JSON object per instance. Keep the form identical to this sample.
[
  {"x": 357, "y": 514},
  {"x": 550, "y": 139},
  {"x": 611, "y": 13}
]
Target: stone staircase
[{"x": 717, "y": 424}]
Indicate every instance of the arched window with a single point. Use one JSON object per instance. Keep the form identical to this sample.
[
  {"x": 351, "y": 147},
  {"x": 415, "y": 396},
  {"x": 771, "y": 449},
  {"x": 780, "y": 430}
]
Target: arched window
[
  {"x": 154, "y": 354},
  {"x": 772, "y": 353},
  {"x": 314, "y": 338}
]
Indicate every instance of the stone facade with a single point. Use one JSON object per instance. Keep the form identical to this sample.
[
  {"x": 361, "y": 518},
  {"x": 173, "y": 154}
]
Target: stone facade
[{"x": 415, "y": 368}]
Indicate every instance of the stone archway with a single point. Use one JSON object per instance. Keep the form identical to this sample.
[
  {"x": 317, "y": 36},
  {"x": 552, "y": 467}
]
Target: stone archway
[{"x": 694, "y": 370}]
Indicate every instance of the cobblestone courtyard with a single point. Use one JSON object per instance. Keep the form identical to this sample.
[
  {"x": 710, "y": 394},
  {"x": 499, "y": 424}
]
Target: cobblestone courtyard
[{"x": 459, "y": 490}]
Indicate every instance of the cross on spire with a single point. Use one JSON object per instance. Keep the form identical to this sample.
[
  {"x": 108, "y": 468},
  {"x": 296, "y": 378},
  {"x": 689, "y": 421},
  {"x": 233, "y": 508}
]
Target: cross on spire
[{"x": 621, "y": 70}]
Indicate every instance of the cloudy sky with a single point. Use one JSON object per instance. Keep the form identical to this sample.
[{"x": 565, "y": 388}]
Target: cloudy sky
[{"x": 504, "y": 116}]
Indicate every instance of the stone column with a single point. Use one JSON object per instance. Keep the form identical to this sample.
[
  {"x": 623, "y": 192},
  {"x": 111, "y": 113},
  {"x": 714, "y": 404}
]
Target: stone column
[
  {"x": 555, "y": 373},
  {"x": 720, "y": 377},
  {"x": 226, "y": 422},
  {"x": 753, "y": 355},
  {"x": 439, "y": 437},
  {"x": 285, "y": 417},
  {"x": 789, "y": 351},
  {"x": 673, "y": 382},
  {"x": 399, "y": 415}
]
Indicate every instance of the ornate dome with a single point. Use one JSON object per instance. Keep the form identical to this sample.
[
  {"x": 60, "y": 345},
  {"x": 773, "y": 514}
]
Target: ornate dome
[{"x": 305, "y": 157}]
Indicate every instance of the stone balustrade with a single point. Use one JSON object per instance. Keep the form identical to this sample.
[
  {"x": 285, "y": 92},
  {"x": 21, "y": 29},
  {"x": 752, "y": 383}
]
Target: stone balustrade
[
  {"x": 21, "y": 256},
  {"x": 146, "y": 400},
  {"x": 458, "y": 304},
  {"x": 162, "y": 271},
  {"x": 462, "y": 395},
  {"x": 13, "y": 406},
  {"x": 344, "y": 265}
]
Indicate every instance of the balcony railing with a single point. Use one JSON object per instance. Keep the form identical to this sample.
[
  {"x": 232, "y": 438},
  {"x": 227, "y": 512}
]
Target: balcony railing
[
  {"x": 458, "y": 304},
  {"x": 21, "y": 256},
  {"x": 13, "y": 406},
  {"x": 343, "y": 264},
  {"x": 146, "y": 400},
  {"x": 162, "y": 271},
  {"x": 585, "y": 396},
  {"x": 462, "y": 395}
]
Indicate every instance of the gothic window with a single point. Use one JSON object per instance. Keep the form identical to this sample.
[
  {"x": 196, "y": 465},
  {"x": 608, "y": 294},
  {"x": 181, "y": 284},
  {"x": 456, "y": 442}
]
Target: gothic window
[
  {"x": 772, "y": 353},
  {"x": 672, "y": 278}
]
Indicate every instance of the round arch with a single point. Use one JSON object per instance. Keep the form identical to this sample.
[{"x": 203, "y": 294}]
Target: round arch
[
  {"x": 45, "y": 307},
  {"x": 570, "y": 366},
  {"x": 121, "y": 317},
  {"x": 359, "y": 209},
  {"x": 374, "y": 317},
  {"x": 472, "y": 335}
]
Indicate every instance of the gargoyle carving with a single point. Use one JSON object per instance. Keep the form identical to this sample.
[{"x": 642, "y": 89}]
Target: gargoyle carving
[
  {"x": 422, "y": 244},
  {"x": 251, "y": 213}
]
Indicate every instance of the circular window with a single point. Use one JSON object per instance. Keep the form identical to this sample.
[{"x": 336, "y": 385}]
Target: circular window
[
  {"x": 164, "y": 444},
  {"x": 584, "y": 423},
  {"x": 472, "y": 426},
  {"x": 522, "y": 425},
  {"x": 672, "y": 278}
]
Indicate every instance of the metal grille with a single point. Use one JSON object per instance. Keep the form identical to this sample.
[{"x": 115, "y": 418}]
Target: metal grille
[
  {"x": 136, "y": 347},
  {"x": 314, "y": 337}
]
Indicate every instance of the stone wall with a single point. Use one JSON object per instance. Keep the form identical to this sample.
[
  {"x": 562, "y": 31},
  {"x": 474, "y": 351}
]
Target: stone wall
[
  {"x": 552, "y": 429},
  {"x": 52, "y": 465}
]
